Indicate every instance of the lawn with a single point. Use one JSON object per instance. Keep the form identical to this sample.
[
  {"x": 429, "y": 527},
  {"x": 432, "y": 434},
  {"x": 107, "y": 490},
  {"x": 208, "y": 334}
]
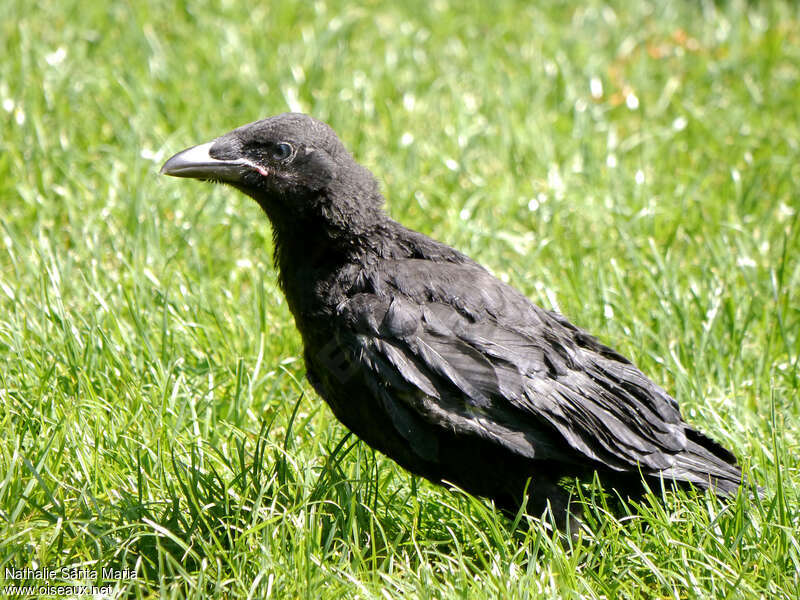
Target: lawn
[{"x": 633, "y": 165}]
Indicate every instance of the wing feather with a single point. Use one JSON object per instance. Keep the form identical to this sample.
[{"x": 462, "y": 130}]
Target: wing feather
[{"x": 487, "y": 362}]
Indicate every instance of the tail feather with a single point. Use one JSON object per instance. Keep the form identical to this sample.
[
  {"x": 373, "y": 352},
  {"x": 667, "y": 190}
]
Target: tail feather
[{"x": 707, "y": 465}]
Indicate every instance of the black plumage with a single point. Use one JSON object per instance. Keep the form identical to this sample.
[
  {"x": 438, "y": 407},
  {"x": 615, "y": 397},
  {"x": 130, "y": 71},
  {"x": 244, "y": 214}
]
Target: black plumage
[{"x": 430, "y": 359}]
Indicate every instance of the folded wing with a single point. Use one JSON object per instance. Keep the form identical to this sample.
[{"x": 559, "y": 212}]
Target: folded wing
[{"x": 491, "y": 364}]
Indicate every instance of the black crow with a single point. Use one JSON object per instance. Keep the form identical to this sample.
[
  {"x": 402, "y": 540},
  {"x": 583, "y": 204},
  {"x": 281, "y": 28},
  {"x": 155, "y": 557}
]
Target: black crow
[{"x": 430, "y": 359}]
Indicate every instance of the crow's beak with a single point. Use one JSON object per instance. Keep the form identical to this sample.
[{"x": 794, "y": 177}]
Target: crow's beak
[{"x": 197, "y": 163}]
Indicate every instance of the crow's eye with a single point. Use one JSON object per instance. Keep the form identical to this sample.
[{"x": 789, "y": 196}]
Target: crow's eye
[{"x": 282, "y": 151}]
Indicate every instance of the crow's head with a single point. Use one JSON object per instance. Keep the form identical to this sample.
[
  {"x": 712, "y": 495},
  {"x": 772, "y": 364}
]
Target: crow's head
[{"x": 293, "y": 165}]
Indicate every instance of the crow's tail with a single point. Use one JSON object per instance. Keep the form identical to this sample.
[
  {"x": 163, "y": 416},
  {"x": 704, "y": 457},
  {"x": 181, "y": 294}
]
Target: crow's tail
[{"x": 707, "y": 465}]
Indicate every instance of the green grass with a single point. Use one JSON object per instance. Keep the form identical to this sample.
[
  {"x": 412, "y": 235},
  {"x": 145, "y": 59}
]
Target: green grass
[{"x": 634, "y": 165}]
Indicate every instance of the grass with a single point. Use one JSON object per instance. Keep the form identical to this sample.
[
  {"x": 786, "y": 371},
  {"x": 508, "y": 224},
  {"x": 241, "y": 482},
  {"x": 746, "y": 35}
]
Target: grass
[{"x": 633, "y": 165}]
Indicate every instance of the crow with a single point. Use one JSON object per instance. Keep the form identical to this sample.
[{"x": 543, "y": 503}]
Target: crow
[{"x": 431, "y": 360}]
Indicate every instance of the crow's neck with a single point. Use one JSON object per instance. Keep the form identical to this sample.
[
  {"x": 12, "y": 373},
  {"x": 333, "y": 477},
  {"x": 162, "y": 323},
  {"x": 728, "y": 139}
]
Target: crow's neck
[
  {"x": 310, "y": 254},
  {"x": 333, "y": 228},
  {"x": 307, "y": 243}
]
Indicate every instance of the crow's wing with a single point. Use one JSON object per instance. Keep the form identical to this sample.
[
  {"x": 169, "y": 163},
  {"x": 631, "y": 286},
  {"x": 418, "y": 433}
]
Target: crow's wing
[{"x": 472, "y": 355}]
